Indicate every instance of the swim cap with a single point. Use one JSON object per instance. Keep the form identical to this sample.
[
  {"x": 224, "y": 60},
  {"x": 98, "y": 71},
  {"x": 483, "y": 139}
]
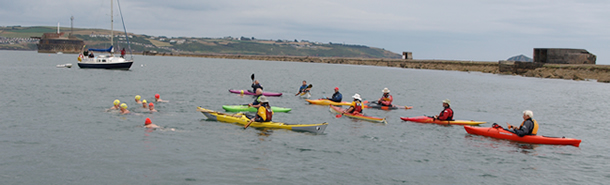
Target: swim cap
[
  {"x": 144, "y": 101},
  {"x": 337, "y": 88},
  {"x": 151, "y": 104},
  {"x": 157, "y": 96},
  {"x": 138, "y": 97},
  {"x": 123, "y": 105},
  {"x": 147, "y": 122},
  {"x": 117, "y": 102}
]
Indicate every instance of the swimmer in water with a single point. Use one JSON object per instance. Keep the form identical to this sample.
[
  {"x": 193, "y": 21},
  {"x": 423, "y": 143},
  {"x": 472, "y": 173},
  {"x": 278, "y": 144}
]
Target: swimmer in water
[
  {"x": 144, "y": 103},
  {"x": 158, "y": 98},
  {"x": 151, "y": 107},
  {"x": 116, "y": 105},
  {"x": 138, "y": 99},
  {"x": 124, "y": 109},
  {"x": 149, "y": 124}
]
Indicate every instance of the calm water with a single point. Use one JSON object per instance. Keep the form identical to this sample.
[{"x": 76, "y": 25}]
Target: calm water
[{"x": 54, "y": 128}]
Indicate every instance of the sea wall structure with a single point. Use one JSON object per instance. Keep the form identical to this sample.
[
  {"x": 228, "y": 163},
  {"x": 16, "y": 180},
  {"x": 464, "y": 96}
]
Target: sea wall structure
[
  {"x": 560, "y": 71},
  {"x": 563, "y": 56}
]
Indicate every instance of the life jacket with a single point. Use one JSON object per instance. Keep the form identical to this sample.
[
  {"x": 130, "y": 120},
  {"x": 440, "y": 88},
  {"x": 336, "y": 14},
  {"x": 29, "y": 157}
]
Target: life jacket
[
  {"x": 265, "y": 114},
  {"x": 357, "y": 107},
  {"x": 386, "y": 100},
  {"x": 449, "y": 117},
  {"x": 534, "y": 130}
]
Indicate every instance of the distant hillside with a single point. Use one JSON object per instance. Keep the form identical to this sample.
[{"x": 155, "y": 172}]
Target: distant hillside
[
  {"x": 521, "y": 58},
  {"x": 99, "y": 38}
]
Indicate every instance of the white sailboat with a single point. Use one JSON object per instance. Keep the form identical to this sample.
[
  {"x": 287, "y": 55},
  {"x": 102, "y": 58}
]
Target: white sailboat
[{"x": 105, "y": 61}]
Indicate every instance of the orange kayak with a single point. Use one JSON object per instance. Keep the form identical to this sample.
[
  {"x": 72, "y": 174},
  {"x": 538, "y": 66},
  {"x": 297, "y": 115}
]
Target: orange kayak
[
  {"x": 339, "y": 110},
  {"x": 500, "y": 133}
]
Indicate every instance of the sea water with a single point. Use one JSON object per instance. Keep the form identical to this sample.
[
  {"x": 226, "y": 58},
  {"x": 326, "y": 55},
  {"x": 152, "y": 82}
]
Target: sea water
[{"x": 54, "y": 127}]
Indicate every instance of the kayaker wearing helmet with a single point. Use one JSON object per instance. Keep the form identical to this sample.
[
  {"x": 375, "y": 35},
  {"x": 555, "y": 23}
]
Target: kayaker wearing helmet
[
  {"x": 386, "y": 99},
  {"x": 304, "y": 88},
  {"x": 529, "y": 126},
  {"x": 264, "y": 113},
  {"x": 447, "y": 113},
  {"x": 257, "y": 96},
  {"x": 138, "y": 99},
  {"x": 337, "y": 97},
  {"x": 356, "y": 106},
  {"x": 124, "y": 109},
  {"x": 256, "y": 85}
]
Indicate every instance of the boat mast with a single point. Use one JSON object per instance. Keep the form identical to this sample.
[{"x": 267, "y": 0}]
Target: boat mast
[{"x": 111, "y": 28}]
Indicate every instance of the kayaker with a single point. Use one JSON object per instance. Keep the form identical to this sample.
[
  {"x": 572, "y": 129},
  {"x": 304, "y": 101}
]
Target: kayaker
[
  {"x": 149, "y": 124},
  {"x": 257, "y": 96},
  {"x": 264, "y": 113},
  {"x": 138, "y": 97},
  {"x": 303, "y": 89},
  {"x": 158, "y": 98},
  {"x": 144, "y": 103},
  {"x": 124, "y": 109},
  {"x": 529, "y": 126},
  {"x": 256, "y": 85},
  {"x": 447, "y": 113},
  {"x": 337, "y": 97},
  {"x": 115, "y": 105},
  {"x": 386, "y": 99},
  {"x": 356, "y": 106},
  {"x": 151, "y": 107}
]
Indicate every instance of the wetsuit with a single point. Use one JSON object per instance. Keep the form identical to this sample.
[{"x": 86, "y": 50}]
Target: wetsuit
[
  {"x": 302, "y": 89},
  {"x": 385, "y": 101},
  {"x": 337, "y": 97},
  {"x": 256, "y": 86},
  {"x": 263, "y": 114},
  {"x": 446, "y": 115},
  {"x": 528, "y": 127},
  {"x": 256, "y": 102},
  {"x": 357, "y": 107}
]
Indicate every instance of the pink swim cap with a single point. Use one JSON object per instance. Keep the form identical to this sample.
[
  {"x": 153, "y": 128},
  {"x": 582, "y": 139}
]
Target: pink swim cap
[
  {"x": 157, "y": 96},
  {"x": 147, "y": 122},
  {"x": 151, "y": 104},
  {"x": 337, "y": 88}
]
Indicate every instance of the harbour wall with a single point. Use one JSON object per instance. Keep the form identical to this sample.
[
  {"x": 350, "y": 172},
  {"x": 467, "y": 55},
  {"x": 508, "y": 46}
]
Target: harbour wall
[{"x": 601, "y": 73}]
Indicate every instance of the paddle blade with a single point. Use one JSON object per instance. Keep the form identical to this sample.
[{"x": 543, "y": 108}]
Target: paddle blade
[
  {"x": 310, "y": 86},
  {"x": 252, "y": 76},
  {"x": 338, "y": 115}
]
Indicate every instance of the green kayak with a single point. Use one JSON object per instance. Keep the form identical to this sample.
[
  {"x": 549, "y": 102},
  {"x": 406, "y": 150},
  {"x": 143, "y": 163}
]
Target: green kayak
[{"x": 245, "y": 108}]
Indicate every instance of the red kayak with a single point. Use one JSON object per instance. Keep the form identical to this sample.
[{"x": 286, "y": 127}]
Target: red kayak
[
  {"x": 426, "y": 119},
  {"x": 247, "y": 92},
  {"x": 500, "y": 133}
]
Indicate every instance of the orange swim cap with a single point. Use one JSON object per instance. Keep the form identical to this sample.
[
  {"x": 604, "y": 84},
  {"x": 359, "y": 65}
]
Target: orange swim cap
[
  {"x": 157, "y": 96},
  {"x": 151, "y": 104},
  {"x": 147, "y": 122}
]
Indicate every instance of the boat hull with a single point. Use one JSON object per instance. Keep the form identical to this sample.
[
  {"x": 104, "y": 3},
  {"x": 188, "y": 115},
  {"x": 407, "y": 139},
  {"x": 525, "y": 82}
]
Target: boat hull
[
  {"x": 500, "y": 133},
  {"x": 339, "y": 110},
  {"x": 426, "y": 119},
  {"x": 376, "y": 106},
  {"x": 241, "y": 119},
  {"x": 327, "y": 102},
  {"x": 246, "y": 92},
  {"x": 245, "y": 108},
  {"x": 110, "y": 65}
]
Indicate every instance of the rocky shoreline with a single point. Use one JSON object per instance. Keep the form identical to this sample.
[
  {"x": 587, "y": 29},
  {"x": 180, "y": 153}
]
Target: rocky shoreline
[{"x": 601, "y": 73}]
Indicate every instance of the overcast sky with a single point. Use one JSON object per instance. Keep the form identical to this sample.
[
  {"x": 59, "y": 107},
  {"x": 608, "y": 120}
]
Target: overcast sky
[{"x": 479, "y": 30}]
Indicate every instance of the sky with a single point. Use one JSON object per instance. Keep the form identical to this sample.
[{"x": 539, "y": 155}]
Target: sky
[{"x": 477, "y": 30}]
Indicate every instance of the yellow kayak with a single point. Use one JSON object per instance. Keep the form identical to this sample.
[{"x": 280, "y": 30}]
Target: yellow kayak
[
  {"x": 241, "y": 119},
  {"x": 328, "y": 102}
]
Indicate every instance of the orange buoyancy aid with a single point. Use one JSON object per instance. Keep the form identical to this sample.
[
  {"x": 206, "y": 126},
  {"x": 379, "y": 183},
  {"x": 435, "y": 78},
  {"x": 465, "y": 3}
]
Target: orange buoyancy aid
[{"x": 535, "y": 129}]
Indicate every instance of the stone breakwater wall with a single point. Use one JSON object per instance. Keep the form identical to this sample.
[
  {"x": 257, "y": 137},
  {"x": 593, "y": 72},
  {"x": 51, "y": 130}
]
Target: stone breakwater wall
[{"x": 601, "y": 73}]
